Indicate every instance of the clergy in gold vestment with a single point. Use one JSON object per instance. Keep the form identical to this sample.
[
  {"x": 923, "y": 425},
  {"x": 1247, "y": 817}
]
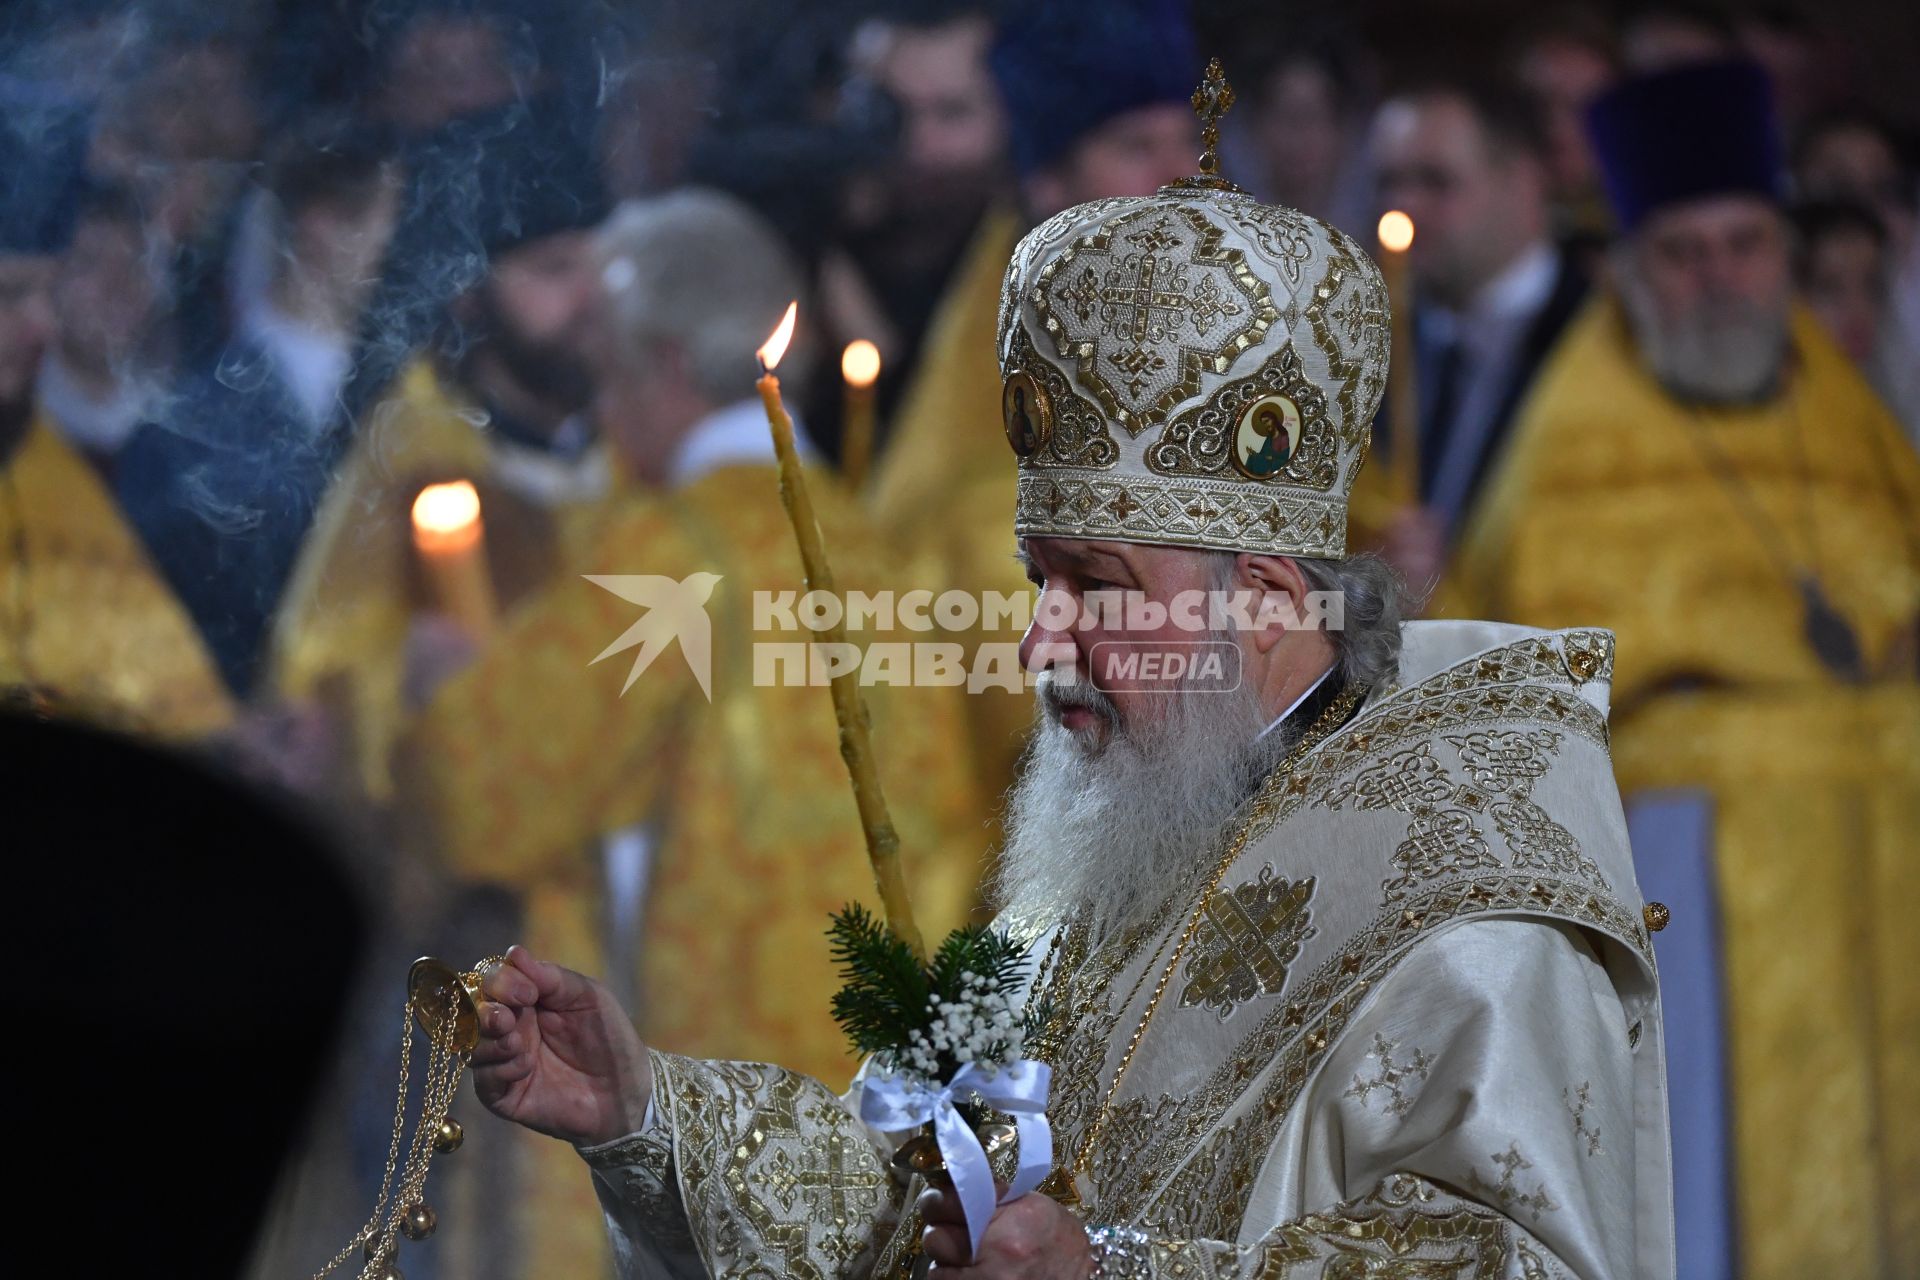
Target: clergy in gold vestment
[
  {"x": 85, "y": 618},
  {"x": 507, "y": 416},
  {"x": 87, "y": 624},
  {"x": 1701, "y": 467},
  {"x": 687, "y": 832},
  {"x": 341, "y": 633},
  {"x": 1344, "y": 967},
  {"x": 1096, "y": 109}
]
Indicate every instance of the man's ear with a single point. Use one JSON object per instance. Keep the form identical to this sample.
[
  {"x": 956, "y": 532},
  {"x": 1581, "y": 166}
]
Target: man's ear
[{"x": 1280, "y": 594}]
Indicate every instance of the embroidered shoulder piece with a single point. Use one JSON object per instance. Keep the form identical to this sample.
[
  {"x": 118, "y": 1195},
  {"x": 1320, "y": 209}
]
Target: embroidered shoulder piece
[{"x": 778, "y": 1176}]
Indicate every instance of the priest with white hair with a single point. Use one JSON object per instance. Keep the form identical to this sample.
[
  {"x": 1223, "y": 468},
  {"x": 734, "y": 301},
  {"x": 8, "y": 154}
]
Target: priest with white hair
[{"x": 1345, "y": 966}]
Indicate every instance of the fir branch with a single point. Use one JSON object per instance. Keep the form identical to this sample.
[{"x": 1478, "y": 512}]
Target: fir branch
[
  {"x": 884, "y": 997},
  {"x": 958, "y": 1007}
]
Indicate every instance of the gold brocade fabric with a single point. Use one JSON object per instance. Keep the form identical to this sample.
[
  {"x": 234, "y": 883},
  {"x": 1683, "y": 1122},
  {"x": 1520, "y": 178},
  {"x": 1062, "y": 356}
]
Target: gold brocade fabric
[
  {"x": 1605, "y": 511},
  {"x": 945, "y": 486},
  {"x": 85, "y": 617},
  {"x": 340, "y": 634}
]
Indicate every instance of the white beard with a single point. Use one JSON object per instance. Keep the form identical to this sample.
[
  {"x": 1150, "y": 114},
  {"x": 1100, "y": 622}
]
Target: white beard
[
  {"x": 1110, "y": 821},
  {"x": 1727, "y": 351}
]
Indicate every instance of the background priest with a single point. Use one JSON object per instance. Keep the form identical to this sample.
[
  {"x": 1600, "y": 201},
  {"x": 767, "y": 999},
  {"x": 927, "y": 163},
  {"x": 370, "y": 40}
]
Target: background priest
[{"x": 1701, "y": 466}]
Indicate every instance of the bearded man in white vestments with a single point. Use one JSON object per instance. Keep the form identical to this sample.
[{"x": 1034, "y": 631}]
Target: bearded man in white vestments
[{"x": 1347, "y": 972}]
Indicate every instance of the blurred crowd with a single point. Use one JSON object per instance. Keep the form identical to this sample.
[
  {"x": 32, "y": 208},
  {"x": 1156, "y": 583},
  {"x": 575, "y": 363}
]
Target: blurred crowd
[{"x": 270, "y": 269}]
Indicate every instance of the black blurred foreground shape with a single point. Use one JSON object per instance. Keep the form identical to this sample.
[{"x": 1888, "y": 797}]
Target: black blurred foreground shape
[{"x": 182, "y": 950}]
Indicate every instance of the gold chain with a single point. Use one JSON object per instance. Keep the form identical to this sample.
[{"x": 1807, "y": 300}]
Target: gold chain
[
  {"x": 1323, "y": 725},
  {"x": 404, "y": 1185}
]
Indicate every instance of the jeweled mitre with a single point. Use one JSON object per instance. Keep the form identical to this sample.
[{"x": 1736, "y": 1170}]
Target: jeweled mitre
[{"x": 1192, "y": 368}]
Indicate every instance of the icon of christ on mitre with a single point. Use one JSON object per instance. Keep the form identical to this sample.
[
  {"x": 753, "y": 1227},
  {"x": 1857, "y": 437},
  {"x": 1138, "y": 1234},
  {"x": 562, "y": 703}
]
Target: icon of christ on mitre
[{"x": 1342, "y": 971}]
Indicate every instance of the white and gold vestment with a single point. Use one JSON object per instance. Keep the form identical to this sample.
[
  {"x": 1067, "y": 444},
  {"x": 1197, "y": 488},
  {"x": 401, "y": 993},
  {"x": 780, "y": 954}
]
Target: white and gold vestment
[{"x": 1415, "y": 1032}]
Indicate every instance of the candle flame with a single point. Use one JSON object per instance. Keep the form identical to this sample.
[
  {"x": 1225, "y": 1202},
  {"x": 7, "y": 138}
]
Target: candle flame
[
  {"x": 860, "y": 363},
  {"x": 776, "y": 345},
  {"x": 1395, "y": 231},
  {"x": 447, "y": 512}
]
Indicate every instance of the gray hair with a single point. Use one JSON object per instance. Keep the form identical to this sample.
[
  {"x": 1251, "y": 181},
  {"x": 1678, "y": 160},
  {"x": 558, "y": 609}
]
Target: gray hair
[
  {"x": 1367, "y": 646},
  {"x": 703, "y": 270}
]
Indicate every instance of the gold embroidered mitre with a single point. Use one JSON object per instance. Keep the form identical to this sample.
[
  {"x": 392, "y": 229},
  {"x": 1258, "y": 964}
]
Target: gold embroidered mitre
[{"x": 1191, "y": 368}]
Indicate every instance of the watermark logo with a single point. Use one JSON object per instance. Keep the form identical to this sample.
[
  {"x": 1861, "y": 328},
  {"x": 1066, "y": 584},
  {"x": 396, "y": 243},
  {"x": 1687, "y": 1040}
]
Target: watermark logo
[
  {"x": 1183, "y": 666},
  {"x": 1124, "y": 640},
  {"x": 674, "y": 611}
]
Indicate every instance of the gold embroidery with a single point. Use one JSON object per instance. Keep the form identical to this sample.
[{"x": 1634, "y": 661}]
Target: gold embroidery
[
  {"x": 1411, "y": 781},
  {"x": 1405, "y": 1230},
  {"x": 1506, "y": 760},
  {"x": 1284, "y": 235},
  {"x": 1246, "y": 939},
  {"x": 1507, "y": 1193},
  {"x": 1439, "y": 844},
  {"x": 1075, "y": 433},
  {"x": 1348, "y": 316},
  {"x": 1589, "y": 656},
  {"x": 1176, "y": 513},
  {"x": 1030, "y": 248},
  {"x": 1577, "y": 1103},
  {"x": 1540, "y": 843},
  {"x": 1392, "y": 1078},
  {"x": 1200, "y": 441},
  {"x": 775, "y": 1171},
  {"x": 639, "y": 1169},
  {"x": 1213, "y": 1165},
  {"x": 1148, "y": 303}
]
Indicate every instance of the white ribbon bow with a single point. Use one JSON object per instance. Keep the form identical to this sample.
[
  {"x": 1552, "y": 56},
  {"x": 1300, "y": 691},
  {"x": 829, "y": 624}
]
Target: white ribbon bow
[{"x": 893, "y": 1103}]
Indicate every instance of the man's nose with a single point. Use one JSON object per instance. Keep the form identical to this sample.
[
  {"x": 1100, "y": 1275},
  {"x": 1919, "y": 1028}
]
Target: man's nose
[{"x": 1049, "y": 638}]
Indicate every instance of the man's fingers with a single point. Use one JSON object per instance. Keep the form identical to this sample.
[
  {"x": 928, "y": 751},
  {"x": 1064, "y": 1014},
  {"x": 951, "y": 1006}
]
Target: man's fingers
[
  {"x": 497, "y": 1049},
  {"x": 947, "y": 1246},
  {"x": 511, "y": 983},
  {"x": 940, "y": 1206},
  {"x": 554, "y": 985}
]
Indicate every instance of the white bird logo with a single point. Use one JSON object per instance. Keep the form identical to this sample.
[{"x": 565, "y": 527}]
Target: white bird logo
[{"x": 675, "y": 611}]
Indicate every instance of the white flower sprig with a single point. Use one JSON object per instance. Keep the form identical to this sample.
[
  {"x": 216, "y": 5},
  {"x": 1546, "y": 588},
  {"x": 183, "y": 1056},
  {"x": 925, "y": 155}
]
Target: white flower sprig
[
  {"x": 978, "y": 1027},
  {"x": 931, "y": 1018}
]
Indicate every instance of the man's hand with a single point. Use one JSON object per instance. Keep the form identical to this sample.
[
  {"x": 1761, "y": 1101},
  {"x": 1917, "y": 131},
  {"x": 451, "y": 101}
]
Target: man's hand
[
  {"x": 1031, "y": 1238},
  {"x": 558, "y": 1054}
]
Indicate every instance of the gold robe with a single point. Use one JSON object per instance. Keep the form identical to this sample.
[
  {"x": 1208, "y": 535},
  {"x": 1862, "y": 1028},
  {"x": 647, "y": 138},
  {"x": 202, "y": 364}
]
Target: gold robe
[
  {"x": 1415, "y": 1033},
  {"x": 340, "y": 635},
  {"x": 531, "y": 756},
  {"x": 1606, "y": 509},
  {"x": 85, "y": 617},
  {"x": 944, "y": 488}
]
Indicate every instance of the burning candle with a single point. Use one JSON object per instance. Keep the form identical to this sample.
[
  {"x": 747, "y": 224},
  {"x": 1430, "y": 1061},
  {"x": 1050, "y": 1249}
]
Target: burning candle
[
  {"x": 849, "y": 708},
  {"x": 1403, "y": 399},
  {"x": 449, "y": 537},
  {"x": 859, "y": 369}
]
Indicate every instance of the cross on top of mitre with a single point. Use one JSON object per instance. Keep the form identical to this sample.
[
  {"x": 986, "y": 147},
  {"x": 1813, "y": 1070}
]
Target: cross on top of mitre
[{"x": 1213, "y": 99}]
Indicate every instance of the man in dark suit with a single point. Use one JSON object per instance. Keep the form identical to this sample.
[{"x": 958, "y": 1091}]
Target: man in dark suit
[{"x": 1492, "y": 291}]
